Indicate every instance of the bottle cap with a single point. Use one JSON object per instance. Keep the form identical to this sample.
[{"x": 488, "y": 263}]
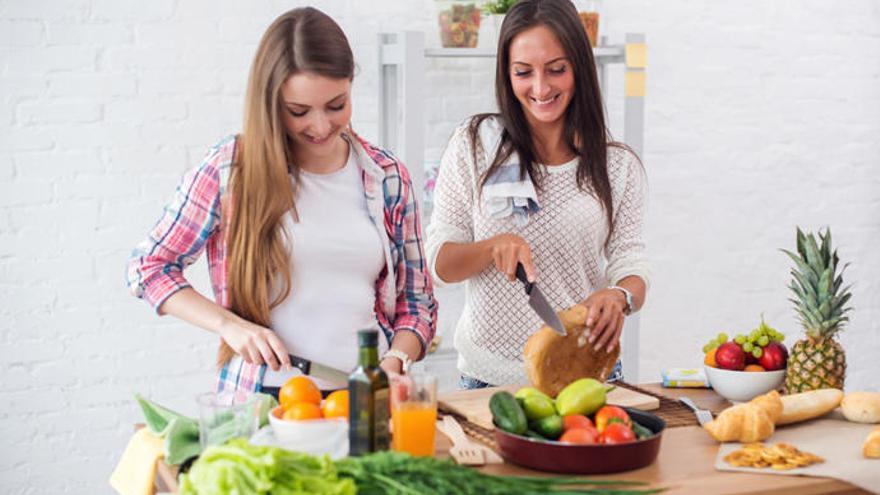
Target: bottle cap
[{"x": 368, "y": 337}]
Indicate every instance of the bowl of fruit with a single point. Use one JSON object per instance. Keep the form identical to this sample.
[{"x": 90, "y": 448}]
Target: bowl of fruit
[
  {"x": 575, "y": 433},
  {"x": 747, "y": 366},
  {"x": 304, "y": 422}
]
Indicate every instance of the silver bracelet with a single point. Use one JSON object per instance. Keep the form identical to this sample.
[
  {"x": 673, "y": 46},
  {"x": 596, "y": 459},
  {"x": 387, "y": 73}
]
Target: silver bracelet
[{"x": 629, "y": 299}]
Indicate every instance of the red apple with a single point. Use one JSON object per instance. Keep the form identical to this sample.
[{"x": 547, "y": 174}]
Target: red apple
[
  {"x": 774, "y": 358},
  {"x": 730, "y": 356}
]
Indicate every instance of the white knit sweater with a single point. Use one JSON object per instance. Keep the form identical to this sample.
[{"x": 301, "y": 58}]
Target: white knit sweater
[{"x": 567, "y": 238}]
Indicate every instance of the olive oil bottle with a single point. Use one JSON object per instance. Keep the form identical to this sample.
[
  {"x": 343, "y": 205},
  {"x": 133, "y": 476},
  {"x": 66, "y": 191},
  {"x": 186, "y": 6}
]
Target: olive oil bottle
[{"x": 369, "y": 409}]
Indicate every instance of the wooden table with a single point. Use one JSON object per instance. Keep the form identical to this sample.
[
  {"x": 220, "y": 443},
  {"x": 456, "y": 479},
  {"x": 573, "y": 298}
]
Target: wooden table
[{"x": 685, "y": 464}]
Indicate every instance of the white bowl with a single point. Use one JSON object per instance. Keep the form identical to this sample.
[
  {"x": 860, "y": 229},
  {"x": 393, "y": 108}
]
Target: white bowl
[
  {"x": 741, "y": 386},
  {"x": 312, "y": 436}
]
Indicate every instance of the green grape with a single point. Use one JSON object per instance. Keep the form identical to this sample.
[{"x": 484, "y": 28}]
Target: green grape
[
  {"x": 706, "y": 348},
  {"x": 763, "y": 340},
  {"x": 780, "y": 336},
  {"x": 722, "y": 337},
  {"x": 740, "y": 339},
  {"x": 757, "y": 352},
  {"x": 747, "y": 347},
  {"x": 753, "y": 336}
]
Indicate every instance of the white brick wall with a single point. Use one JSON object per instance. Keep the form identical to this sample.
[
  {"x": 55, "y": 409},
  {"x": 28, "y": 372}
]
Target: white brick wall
[{"x": 760, "y": 116}]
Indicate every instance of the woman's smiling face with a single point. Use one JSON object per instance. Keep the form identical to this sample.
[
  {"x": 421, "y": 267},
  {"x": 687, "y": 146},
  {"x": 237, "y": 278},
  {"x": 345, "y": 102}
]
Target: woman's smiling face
[
  {"x": 541, "y": 75},
  {"x": 316, "y": 111}
]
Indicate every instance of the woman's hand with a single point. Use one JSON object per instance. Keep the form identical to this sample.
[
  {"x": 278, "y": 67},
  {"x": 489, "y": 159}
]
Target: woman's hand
[
  {"x": 605, "y": 317},
  {"x": 507, "y": 251},
  {"x": 256, "y": 344}
]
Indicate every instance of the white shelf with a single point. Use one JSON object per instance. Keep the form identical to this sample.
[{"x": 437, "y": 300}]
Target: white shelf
[{"x": 605, "y": 53}]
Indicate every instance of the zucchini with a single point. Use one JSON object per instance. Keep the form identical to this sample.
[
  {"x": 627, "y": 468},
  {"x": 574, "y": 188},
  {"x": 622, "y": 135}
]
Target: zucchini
[{"x": 507, "y": 413}]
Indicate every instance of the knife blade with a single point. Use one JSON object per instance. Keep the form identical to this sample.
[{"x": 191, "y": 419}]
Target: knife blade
[
  {"x": 539, "y": 303},
  {"x": 318, "y": 370}
]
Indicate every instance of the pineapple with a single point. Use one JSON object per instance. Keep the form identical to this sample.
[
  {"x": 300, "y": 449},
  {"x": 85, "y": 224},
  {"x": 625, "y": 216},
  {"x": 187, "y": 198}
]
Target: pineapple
[{"x": 818, "y": 361}]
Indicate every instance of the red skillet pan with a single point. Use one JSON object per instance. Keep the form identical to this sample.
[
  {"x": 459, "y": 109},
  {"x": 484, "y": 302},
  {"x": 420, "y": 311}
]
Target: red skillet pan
[{"x": 547, "y": 455}]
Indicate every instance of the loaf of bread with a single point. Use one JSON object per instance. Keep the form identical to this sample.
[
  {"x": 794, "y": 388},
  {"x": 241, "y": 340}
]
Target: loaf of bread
[
  {"x": 861, "y": 407},
  {"x": 871, "y": 447},
  {"x": 749, "y": 422},
  {"x": 553, "y": 361},
  {"x": 808, "y": 405}
]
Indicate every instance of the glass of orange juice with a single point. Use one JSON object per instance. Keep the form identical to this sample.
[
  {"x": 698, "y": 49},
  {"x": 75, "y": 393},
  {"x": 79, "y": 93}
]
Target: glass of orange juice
[{"x": 414, "y": 413}]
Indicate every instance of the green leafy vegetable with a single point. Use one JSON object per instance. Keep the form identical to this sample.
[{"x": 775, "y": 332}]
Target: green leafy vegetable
[{"x": 239, "y": 468}]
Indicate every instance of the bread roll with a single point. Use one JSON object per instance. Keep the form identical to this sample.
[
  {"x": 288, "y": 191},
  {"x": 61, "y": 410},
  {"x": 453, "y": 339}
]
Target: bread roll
[
  {"x": 808, "y": 405},
  {"x": 871, "y": 447},
  {"x": 553, "y": 361},
  {"x": 861, "y": 407}
]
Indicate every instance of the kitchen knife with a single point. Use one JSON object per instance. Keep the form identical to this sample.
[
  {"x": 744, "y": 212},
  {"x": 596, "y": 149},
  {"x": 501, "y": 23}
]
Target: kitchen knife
[
  {"x": 539, "y": 303},
  {"x": 318, "y": 370}
]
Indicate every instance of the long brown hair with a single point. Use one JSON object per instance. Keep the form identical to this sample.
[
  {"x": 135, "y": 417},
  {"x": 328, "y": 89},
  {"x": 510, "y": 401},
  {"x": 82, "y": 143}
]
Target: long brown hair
[
  {"x": 585, "y": 132},
  {"x": 301, "y": 40}
]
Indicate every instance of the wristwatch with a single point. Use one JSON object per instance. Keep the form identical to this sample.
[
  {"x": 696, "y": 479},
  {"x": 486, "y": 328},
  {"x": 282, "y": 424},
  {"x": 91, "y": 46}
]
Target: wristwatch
[
  {"x": 402, "y": 356},
  {"x": 629, "y": 299}
]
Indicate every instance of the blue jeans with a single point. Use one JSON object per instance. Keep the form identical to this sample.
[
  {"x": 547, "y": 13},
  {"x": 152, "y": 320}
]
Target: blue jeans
[{"x": 469, "y": 383}]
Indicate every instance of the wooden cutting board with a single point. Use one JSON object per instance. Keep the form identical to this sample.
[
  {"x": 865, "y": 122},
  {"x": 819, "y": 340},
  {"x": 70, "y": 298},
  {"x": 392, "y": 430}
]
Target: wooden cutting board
[{"x": 474, "y": 404}]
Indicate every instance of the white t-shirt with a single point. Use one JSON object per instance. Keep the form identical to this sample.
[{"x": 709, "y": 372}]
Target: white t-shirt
[{"x": 336, "y": 256}]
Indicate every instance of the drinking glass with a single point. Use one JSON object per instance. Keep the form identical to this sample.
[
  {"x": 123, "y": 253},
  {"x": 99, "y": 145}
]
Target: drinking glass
[
  {"x": 226, "y": 415},
  {"x": 414, "y": 413}
]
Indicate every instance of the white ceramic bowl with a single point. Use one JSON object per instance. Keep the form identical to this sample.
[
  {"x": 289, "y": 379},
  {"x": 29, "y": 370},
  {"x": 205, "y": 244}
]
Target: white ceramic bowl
[
  {"x": 313, "y": 436},
  {"x": 741, "y": 386}
]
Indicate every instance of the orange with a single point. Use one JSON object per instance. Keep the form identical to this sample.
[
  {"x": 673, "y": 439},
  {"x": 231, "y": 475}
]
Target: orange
[
  {"x": 298, "y": 389},
  {"x": 336, "y": 405},
  {"x": 303, "y": 410},
  {"x": 754, "y": 367},
  {"x": 709, "y": 360}
]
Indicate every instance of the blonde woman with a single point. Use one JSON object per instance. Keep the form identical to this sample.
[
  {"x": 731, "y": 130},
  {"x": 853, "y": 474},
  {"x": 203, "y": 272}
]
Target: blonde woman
[{"x": 311, "y": 233}]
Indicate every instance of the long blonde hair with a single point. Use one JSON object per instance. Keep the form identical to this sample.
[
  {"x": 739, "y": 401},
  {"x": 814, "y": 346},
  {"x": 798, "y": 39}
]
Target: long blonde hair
[{"x": 301, "y": 40}]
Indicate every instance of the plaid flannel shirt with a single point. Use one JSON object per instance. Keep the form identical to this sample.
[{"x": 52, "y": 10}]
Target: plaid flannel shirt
[{"x": 195, "y": 220}]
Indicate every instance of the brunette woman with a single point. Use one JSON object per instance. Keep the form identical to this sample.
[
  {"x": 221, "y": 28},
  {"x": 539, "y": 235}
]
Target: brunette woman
[{"x": 542, "y": 184}]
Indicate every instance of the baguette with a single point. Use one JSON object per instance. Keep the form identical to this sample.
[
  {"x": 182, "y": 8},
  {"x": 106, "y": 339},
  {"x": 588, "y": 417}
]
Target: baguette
[
  {"x": 871, "y": 447},
  {"x": 861, "y": 407},
  {"x": 808, "y": 405}
]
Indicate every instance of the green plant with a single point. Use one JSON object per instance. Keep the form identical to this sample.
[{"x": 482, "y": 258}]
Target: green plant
[{"x": 498, "y": 6}]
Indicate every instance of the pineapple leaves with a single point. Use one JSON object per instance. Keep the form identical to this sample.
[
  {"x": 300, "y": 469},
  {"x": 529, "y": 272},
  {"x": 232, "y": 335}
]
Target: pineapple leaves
[{"x": 820, "y": 298}]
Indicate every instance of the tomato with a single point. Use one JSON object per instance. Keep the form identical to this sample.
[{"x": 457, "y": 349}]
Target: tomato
[
  {"x": 580, "y": 436},
  {"x": 604, "y": 415},
  {"x": 618, "y": 433},
  {"x": 576, "y": 421}
]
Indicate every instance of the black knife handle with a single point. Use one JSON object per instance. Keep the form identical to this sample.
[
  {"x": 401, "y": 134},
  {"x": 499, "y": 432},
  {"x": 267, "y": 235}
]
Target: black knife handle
[
  {"x": 303, "y": 365},
  {"x": 521, "y": 275}
]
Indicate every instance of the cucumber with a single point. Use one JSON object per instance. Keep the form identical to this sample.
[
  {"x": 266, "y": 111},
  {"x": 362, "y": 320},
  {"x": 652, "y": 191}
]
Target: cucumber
[
  {"x": 641, "y": 431},
  {"x": 507, "y": 413},
  {"x": 549, "y": 427},
  {"x": 535, "y": 435}
]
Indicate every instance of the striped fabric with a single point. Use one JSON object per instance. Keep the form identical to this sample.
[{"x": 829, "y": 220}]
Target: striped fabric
[{"x": 194, "y": 222}]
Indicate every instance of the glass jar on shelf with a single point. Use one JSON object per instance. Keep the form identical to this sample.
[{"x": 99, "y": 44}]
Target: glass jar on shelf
[
  {"x": 588, "y": 10},
  {"x": 459, "y": 23}
]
